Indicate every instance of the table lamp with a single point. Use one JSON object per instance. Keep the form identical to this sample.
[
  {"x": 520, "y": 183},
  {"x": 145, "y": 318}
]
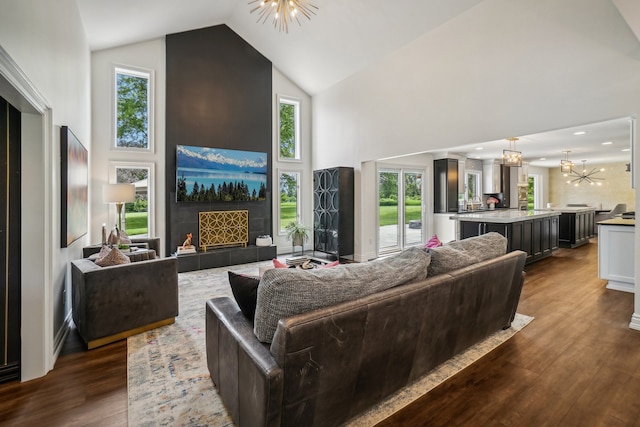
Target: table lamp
[{"x": 118, "y": 194}]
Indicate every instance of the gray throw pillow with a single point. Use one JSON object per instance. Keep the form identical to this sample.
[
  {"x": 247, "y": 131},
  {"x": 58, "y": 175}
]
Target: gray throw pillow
[
  {"x": 461, "y": 253},
  {"x": 284, "y": 292}
]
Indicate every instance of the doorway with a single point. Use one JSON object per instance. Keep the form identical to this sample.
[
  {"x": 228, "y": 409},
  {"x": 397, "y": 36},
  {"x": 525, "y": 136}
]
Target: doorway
[
  {"x": 10, "y": 220},
  {"x": 400, "y": 209}
]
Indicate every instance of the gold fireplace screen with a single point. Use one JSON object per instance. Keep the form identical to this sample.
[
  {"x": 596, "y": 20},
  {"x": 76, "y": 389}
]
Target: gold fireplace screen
[{"x": 223, "y": 228}]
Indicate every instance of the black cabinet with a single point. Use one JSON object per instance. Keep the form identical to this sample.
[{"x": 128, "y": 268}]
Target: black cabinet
[
  {"x": 537, "y": 237},
  {"x": 505, "y": 185},
  {"x": 333, "y": 215},
  {"x": 576, "y": 228},
  {"x": 445, "y": 185}
]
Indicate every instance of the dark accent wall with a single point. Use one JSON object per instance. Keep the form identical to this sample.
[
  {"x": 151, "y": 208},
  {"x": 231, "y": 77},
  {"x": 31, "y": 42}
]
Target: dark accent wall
[{"x": 219, "y": 95}]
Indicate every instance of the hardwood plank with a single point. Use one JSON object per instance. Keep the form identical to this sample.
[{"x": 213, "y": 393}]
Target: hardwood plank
[
  {"x": 85, "y": 388},
  {"x": 577, "y": 363}
]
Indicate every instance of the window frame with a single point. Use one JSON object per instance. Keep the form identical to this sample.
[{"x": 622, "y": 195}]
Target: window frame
[
  {"x": 282, "y": 99},
  {"x": 478, "y": 179},
  {"x": 149, "y": 74},
  {"x": 299, "y": 172},
  {"x": 150, "y": 166}
]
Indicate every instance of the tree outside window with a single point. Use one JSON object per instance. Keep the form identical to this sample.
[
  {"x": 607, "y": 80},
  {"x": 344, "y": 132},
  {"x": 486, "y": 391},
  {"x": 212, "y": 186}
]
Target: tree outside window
[
  {"x": 133, "y": 109},
  {"x": 136, "y": 214},
  {"x": 289, "y": 185},
  {"x": 289, "y": 129},
  {"x": 472, "y": 181}
]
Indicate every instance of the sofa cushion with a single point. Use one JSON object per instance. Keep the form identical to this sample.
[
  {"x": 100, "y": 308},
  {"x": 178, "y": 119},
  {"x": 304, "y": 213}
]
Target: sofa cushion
[
  {"x": 331, "y": 264},
  {"x": 114, "y": 257},
  {"x": 286, "y": 292},
  {"x": 461, "y": 253},
  {"x": 433, "y": 242},
  {"x": 244, "y": 290},
  {"x": 279, "y": 264},
  {"x": 104, "y": 251}
]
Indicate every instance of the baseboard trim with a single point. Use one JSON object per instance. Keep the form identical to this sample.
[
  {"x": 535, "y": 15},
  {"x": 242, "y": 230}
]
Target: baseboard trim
[
  {"x": 10, "y": 372},
  {"x": 61, "y": 336},
  {"x": 635, "y": 322},
  {"x": 122, "y": 335}
]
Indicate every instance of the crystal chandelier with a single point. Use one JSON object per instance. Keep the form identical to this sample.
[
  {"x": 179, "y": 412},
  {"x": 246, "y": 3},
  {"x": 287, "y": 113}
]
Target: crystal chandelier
[
  {"x": 283, "y": 11},
  {"x": 566, "y": 166},
  {"x": 585, "y": 176},
  {"x": 511, "y": 157}
]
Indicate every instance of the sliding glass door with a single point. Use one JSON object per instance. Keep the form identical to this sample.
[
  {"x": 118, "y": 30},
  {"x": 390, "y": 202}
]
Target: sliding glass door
[{"x": 400, "y": 209}]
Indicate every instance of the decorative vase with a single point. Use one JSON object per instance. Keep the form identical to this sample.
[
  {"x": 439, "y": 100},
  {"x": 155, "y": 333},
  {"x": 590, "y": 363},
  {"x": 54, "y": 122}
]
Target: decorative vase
[{"x": 264, "y": 241}]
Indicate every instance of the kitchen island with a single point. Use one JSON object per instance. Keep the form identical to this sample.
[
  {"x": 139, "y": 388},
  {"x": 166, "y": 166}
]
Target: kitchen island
[
  {"x": 534, "y": 232},
  {"x": 577, "y": 225},
  {"x": 616, "y": 253}
]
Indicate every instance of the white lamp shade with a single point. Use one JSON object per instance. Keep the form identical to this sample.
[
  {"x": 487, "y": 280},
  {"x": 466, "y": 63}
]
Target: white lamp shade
[{"x": 118, "y": 193}]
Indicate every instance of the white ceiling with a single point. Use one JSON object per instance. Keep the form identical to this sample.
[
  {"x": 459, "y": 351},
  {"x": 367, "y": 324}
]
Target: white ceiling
[
  {"x": 546, "y": 149},
  {"x": 342, "y": 39}
]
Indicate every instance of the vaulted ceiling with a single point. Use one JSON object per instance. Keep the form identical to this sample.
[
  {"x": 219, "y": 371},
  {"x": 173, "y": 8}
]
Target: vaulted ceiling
[{"x": 343, "y": 38}]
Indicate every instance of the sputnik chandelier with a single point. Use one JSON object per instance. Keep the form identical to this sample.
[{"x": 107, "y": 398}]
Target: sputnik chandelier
[
  {"x": 283, "y": 11},
  {"x": 585, "y": 176},
  {"x": 512, "y": 157}
]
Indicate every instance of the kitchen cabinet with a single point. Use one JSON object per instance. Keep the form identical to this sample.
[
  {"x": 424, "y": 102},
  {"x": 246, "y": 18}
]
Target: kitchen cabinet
[
  {"x": 577, "y": 226},
  {"x": 616, "y": 253},
  {"x": 496, "y": 178},
  {"x": 445, "y": 185},
  {"x": 535, "y": 234}
]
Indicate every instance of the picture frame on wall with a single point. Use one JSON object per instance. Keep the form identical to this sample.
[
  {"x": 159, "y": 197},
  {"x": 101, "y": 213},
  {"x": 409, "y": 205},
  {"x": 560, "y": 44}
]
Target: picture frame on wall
[{"x": 74, "y": 179}]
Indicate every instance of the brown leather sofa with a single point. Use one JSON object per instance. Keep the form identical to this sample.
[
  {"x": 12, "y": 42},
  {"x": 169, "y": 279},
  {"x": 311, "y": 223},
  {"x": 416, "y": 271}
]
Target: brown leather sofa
[
  {"x": 326, "y": 366},
  {"x": 112, "y": 303}
]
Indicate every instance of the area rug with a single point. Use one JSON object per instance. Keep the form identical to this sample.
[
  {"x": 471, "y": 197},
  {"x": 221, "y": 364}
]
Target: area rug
[{"x": 169, "y": 384}]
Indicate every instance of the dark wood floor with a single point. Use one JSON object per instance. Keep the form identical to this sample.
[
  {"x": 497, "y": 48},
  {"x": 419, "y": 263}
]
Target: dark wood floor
[
  {"x": 85, "y": 388},
  {"x": 576, "y": 364}
]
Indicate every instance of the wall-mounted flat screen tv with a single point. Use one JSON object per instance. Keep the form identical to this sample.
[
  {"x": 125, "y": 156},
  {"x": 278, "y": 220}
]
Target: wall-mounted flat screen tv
[{"x": 206, "y": 174}]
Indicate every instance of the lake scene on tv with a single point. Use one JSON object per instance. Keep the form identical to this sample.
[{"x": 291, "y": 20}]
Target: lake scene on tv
[{"x": 220, "y": 175}]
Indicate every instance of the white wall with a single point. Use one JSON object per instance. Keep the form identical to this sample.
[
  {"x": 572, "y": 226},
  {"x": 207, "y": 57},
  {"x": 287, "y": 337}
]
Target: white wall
[
  {"x": 282, "y": 86},
  {"x": 543, "y": 174},
  {"x": 502, "y": 68},
  {"x": 47, "y": 56},
  {"x": 615, "y": 188},
  {"x": 149, "y": 55}
]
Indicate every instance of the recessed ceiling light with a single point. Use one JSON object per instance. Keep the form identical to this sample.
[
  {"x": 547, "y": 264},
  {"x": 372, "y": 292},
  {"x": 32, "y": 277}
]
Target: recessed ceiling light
[
  {"x": 607, "y": 143},
  {"x": 479, "y": 148},
  {"x": 626, "y": 149},
  {"x": 582, "y": 132},
  {"x": 543, "y": 158}
]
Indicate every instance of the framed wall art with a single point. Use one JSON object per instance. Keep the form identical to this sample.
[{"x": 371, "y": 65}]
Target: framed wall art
[{"x": 74, "y": 179}]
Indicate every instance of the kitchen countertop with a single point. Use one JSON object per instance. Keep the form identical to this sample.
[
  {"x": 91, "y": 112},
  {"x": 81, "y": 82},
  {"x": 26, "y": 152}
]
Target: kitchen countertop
[
  {"x": 618, "y": 221},
  {"x": 504, "y": 216},
  {"x": 571, "y": 209}
]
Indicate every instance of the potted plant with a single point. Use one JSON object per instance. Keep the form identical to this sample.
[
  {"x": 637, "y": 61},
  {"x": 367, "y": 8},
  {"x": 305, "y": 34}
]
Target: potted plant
[{"x": 297, "y": 233}]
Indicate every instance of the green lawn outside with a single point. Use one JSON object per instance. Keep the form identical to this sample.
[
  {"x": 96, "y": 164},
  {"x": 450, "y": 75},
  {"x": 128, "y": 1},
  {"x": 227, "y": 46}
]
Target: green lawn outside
[
  {"x": 389, "y": 214},
  {"x": 136, "y": 223}
]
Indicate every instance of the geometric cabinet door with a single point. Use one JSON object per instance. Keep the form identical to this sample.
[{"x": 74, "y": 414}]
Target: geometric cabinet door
[{"x": 333, "y": 216}]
